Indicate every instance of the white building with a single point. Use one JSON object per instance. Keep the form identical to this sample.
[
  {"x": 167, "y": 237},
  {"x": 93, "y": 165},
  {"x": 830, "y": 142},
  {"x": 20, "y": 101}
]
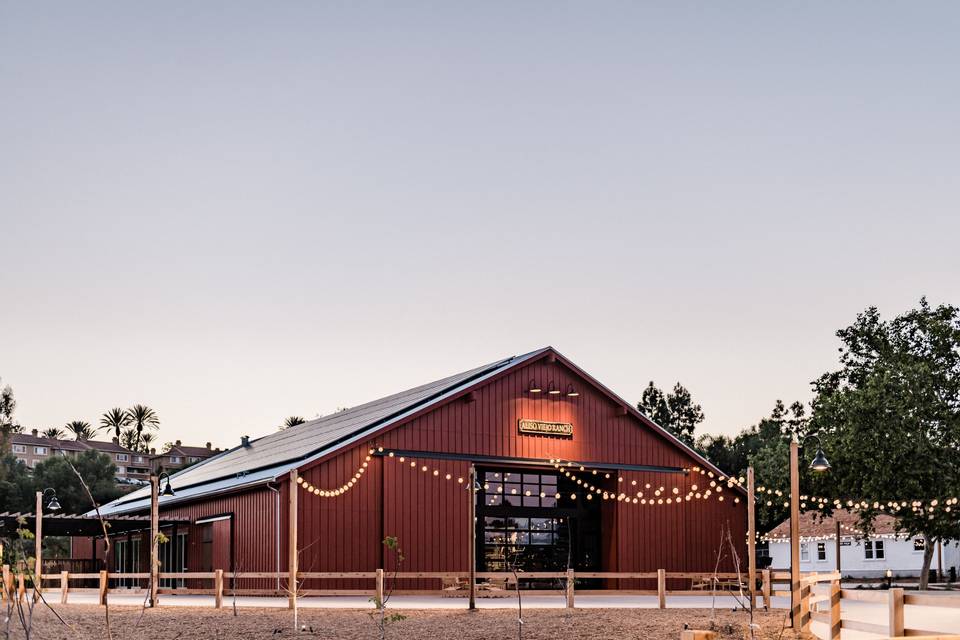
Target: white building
[{"x": 860, "y": 556}]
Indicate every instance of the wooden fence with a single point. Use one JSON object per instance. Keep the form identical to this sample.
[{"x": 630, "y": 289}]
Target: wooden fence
[
  {"x": 824, "y": 591},
  {"x": 223, "y": 583},
  {"x": 816, "y": 590}
]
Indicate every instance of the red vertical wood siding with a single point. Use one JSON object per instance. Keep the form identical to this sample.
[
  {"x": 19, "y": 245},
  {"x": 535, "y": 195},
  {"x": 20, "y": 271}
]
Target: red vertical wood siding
[{"x": 429, "y": 514}]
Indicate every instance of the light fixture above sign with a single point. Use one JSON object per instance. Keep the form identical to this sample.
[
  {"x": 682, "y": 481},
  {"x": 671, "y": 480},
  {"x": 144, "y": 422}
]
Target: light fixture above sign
[{"x": 543, "y": 428}]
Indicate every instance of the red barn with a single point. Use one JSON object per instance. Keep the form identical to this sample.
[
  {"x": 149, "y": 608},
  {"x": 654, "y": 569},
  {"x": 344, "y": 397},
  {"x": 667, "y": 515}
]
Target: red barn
[{"x": 567, "y": 472}]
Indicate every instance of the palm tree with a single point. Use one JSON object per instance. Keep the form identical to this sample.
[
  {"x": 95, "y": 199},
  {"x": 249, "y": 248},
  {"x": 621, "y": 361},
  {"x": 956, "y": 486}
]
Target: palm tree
[
  {"x": 54, "y": 433},
  {"x": 292, "y": 421},
  {"x": 141, "y": 418},
  {"x": 146, "y": 440},
  {"x": 81, "y": 430},
  {"x": 114, "y": 420}
]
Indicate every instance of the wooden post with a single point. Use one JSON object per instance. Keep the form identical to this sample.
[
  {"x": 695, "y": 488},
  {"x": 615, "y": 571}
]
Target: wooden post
[
  {"x": 805, "y": 608},
  {"x": 838, "y": 542},
  {"x": 752, "y": 537},
  {"x": 292, "y": 540},
  {"x": 767, "y": 588},
  {"x": 38, "y": 545},
  {"x": 7, "y": 582},
  {"x": 662, "y": 588},
  {"x": 896, "y": 612},
  {"x": 379, "y": 586},
  {"x": 795, "y": 534},
  {"x": 472, "y": 538},
  {"x": 835, "y": 622},
  {"x": 21, "y": 587},
  {"x": 570, "y": 594},
  {"x": 939, "y": 560},
  {"x": 64, "y": 586},
  {"x": 155, "y": 540},
  {"x": 218, "y": 588},
  {"x": 103, "y": 588}
]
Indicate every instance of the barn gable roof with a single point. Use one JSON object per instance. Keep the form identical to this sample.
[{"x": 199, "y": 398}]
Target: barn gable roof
[{"x": 274, "y": 455}]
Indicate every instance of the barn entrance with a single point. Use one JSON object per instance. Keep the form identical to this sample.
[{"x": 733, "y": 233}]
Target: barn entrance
[{"x": 521, "y": 524}]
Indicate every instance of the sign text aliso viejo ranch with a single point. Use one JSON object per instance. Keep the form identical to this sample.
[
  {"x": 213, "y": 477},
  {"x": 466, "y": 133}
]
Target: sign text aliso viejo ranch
[{"x": 561, "y": 429}]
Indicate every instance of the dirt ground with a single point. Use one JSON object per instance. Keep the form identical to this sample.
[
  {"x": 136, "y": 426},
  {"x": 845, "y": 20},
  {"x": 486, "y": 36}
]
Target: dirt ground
[{"x": 181, "y": 623}]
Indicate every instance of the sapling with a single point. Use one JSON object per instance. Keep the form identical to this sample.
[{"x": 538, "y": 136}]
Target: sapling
[{"x": 392, "y": 545}]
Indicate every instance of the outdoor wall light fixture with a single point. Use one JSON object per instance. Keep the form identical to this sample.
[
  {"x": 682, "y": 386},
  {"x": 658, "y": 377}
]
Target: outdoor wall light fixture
[
  {"x": 571, "y": 392},
  {"x": 819, "y": 462},
  {"x": 167, "y": 490},
  {"x": 54, "y": 504},
  {"x": 534, "y": 387},
  {"x": 553, "y": 389}
]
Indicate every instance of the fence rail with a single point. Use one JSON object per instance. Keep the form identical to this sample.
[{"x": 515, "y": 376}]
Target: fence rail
[
  {"x": 455, "y": 583},
  {"x": 815, "y": 589},
  {"x": 895, "y": 600}
]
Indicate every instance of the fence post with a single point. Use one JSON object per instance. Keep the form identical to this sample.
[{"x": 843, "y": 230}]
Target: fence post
[
  {"x": 835, "y": 623},
  {"x": 570, "y": 578},
  {"x": 766, "y": 589},
  {"x": 662, "y": 588},
  {"x": 805, "y": 607},
  {"x": 218, "y": 588},
  {"x": 379, "y": 594},
  {"x": 103, "y": 588},
  {"x": 7, "y": 582},
  {"x": 21, "y": 587},
  {"x": 64, "y": 586},
  {"x": 896, "y": 612}
]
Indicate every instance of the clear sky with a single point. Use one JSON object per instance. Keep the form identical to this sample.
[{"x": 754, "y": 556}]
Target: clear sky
[{"x": 234, "y": 212}]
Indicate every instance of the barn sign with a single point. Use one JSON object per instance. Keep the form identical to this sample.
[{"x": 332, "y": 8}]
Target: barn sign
[{"x": 539, "y": 427}]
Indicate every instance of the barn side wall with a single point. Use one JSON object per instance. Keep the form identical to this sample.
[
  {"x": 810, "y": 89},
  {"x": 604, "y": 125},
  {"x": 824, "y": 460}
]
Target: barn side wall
[{"x": 429, "y": 514}]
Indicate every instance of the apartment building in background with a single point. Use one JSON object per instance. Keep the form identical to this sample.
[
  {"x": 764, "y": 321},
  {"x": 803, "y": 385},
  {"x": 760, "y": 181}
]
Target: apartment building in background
[{"x": 179, "y": 456}]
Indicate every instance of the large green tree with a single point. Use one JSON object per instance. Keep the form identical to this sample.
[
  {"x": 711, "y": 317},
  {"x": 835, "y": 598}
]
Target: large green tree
[
  {"x": 97, "y": 470},
  {"x": 890, "y": 418},
  {"x": 16, "y": 485},
  {"x": 675, "y": 411},
  {"x": 766, "y": 447},
  {"x": 7, "y": 423}
]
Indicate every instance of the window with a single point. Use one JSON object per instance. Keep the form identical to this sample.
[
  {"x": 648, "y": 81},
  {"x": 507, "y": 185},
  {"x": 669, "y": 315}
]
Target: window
[
  {"x": 175, "y": 459},
  {"x": 19, "y": 448},
  {"x": 193, "y": 459},
  {"x": 919, "y": 544},
  {"x": 24, "y": 461},
  {"x": 138, "y": 459},
  {"x": 40, "y": 451},
  {"x": 873, "y": 550},
  {"x": 121, "y": 470},
  {"x": 821, "y": 551},
  {"x": 122, "y": 457},
  {"x": 804, "y": 552}
]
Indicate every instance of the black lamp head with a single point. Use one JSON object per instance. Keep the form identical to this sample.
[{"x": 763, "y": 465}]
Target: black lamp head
[
  {"x": 54, "y": 504},
  {"x": 820, "y": 462},
  {"x": 168, "y": 490}
]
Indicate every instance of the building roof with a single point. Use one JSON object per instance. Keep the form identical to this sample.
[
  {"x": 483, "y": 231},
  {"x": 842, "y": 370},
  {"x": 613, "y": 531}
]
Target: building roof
[
  {"x": 813, "y": 526},
  {"x": 113, "y": 447},
  {"x": 273, "y": 455},
  {"x": 54, "y": 443},
  {"x": 184, "y": 450}
]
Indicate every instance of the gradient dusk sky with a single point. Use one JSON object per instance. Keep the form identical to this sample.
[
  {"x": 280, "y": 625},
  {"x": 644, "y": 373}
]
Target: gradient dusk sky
[{"x": 234, "y": 211}]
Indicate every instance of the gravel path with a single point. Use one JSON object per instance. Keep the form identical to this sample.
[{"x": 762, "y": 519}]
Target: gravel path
[{"x": 87, "y": 623}]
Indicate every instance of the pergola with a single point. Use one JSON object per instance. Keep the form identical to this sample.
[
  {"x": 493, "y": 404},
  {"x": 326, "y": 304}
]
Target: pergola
[{"x": 76, "y": 525}]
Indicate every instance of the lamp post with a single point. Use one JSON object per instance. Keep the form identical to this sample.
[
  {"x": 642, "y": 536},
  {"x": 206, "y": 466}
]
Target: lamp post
[
  {"x": 819, "y": 464},
  {"x": 53, "y": 505},
  {"x": 155, "y": 531}
]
